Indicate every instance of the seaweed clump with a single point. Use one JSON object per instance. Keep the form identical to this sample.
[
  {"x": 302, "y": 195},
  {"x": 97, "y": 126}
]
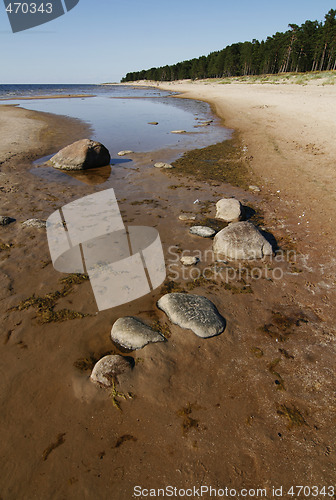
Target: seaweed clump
[
  {"x": 281, "y": 325},
  {"x": 292, "y": 414},
  {"x": 45, "y": 305},
  {"x": 222, "y": 162},
  {"x": 188, "y": 422}
]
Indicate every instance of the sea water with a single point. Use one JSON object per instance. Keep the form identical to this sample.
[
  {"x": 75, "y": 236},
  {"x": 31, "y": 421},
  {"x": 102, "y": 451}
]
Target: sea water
[{"x": 119, "y": 115}]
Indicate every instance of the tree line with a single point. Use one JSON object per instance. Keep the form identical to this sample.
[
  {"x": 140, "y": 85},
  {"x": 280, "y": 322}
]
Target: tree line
[{"x": 309, "y": 47}]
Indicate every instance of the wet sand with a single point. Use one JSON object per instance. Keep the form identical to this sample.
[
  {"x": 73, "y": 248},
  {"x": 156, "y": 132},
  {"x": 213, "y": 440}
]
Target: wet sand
[{"x": 251, "y": 408}]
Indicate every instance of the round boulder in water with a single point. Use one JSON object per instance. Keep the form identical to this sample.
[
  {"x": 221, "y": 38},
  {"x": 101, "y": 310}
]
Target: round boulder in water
[{"x": 81, "y": 155}]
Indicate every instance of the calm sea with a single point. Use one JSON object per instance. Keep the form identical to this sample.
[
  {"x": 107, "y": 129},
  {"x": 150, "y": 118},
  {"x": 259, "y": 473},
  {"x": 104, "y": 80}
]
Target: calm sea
[{"x": 119, "y": 115}]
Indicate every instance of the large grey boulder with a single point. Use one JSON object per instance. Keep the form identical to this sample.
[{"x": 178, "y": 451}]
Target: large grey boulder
[
  {"x": 229, "y": 210},
  {"x": 241, "y": 240},
  {"x": 106, "y": 370},
  {"x": 194, "y": 312},
  {"x": 133, "y": 334},
  {"x": 82, "y": 155}
]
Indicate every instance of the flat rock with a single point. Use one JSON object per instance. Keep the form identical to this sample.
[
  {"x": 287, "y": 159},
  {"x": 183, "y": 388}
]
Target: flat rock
[
  {"x": 107, "y": 370},
  {"x": 161, "y": 164},
  {"x": 133, "y": 334},
  {"x": 81, "y": 155},
  {"x": 194, "y": 312},
  {"x": 4, "y": 220},
  {"x": 254, "y": 188},
  {"x": 37, "y": 223},
  {"x": 203, "y": 231},
  {"x": 189, "y": 260},
  {"x": 126, "y": 152},
  {"x": 178, "y": 132},
  {"x": 241, "y": 240},
  {"x": 229, "y": 210},
  {"x": 187, "y": 217}
]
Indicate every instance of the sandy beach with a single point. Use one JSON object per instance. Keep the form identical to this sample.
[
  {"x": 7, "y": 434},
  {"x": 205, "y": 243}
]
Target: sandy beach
[
  {"x": 251, "y": 408},
  {"x": 288, "y": 131}
]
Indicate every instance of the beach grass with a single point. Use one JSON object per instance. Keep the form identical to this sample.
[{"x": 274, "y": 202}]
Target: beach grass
[{"x": 323, "y": 78}]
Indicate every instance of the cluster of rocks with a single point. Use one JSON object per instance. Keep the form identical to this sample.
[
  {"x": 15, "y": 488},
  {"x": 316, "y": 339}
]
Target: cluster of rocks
[
  {"x": 204, "y": 123},
  {"x": 240, "y": 239},
  {"x": 161, "y": 164},
  {"x": 188, "y": 311},
  {"x": 35, "y": 223}
]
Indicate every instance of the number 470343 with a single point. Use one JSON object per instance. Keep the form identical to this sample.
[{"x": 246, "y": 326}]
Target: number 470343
[
  {"x": 29, "y": 8},
  {"x": 311, "y": 491}
]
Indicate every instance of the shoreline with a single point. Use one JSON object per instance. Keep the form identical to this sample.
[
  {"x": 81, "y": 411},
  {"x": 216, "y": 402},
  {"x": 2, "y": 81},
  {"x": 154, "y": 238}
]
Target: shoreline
[
  {"x": 287, "y": 131},
  {"x": 30, "y": 98},
  {"x": 27, "y": 135},
  {"x": 251, "y": 407}
]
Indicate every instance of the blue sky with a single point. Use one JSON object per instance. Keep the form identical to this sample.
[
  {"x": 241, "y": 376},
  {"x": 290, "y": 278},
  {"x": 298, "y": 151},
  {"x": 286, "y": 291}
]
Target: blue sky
[{"x": 101, "y": 40}]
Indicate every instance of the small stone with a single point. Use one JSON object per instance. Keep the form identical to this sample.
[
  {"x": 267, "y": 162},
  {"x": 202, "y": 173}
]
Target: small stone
[
  {"x": 124, "y": 153},
  {"x": 107, "y": 370},
  {"x": 178, "y": 132},
  {"x": 229, "y": 210},
  {"x": 133, "y": 334},
  {"x": 254, "y": 188},
  {"x": 161, "y": 164},
  {"x": 189, "y": 260},
  {"x": 4, "y": 220},
  {"x": 153, "y": 123},
  {"x": 37, "y": 223},
  {"x": 203, "y": 231},
  {"x": 194, "y": 312},
  {"x": 187, "y": 217}
]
